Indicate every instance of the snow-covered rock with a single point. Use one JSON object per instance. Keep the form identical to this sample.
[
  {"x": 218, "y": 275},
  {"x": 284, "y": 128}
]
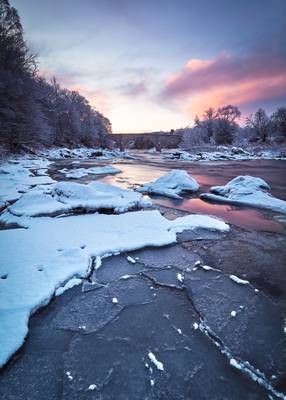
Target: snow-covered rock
[
  {"x": 65, "y": 197},
  {"x": 246, "y": 190},
  {"x": 173, "y": 184},
  {"x": 34, "y": 262},
  {"x": 82, "y": 172}
]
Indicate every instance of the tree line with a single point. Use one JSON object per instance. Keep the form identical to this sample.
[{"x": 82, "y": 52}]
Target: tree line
[
  {"x": 33, "y": 110},
  {"x": 220, "y": 127}
]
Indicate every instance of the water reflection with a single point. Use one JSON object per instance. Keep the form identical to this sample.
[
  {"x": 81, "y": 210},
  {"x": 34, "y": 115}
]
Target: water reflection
[{"x": 242, "y": 217}]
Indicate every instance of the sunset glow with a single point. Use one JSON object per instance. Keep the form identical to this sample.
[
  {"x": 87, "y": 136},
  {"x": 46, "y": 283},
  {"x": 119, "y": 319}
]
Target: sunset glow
[{"x": 154, "y": 66}]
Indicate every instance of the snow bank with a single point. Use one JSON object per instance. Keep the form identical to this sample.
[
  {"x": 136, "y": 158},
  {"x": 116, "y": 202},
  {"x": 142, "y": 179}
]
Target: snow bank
[
  {"x": 35, "y": 262},
  {"x": 65, "y": 197},
  {"x": 172, "y": 184},
  {"x": 82, "y": 172},
  {"x": 16, "y": 177},
  {"x": 246, "y": 190},
  {"x": 84, "y": 152},
  {"x": 224, "y": 153}
]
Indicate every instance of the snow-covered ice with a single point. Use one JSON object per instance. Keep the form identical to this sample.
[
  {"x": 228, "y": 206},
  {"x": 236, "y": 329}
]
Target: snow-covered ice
[
  {"x": 82, "y": 172},
  {"x": 196, "y": 221},
  {"x": 16, "y": 177},
  {"x": 173, "y": 184},
  {"x": 38, "y": 260},
  {"x": 246, "y": 190},
  {"x": 70, "y": 284},
  {"x": 64, "y": 197}
]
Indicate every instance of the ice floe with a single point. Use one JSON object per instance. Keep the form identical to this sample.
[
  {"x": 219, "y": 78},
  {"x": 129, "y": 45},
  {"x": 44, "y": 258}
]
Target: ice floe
[
  {"x": 246, "y": 190},
  {"x": 65, "y": 197},
  {"x": 173, "y": 184}
]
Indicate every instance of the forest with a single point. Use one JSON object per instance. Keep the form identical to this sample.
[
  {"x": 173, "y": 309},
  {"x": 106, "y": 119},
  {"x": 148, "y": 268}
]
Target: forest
[{"x": 34, "y": 111}]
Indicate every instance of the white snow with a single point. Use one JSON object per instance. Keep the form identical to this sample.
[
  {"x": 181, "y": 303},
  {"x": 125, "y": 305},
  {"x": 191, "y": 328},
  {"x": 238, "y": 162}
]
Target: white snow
[
  {"x": 92, "y": 387},
  {"x": 196, "y": 221},
  {"x": 125, "y": 277},
  {"x": 68, "y": 374},
  {"x": 16, "y": 177},
  {"x": 238, "y": 280},
  {"x": 180, "y": 277},
  {"x": 131, "y": 260},
  {"x": 70, "y": 284},
  {"x": 235, "y": 363},
  {"x": 85, "y": 152},
  {"x": 222, "y": 154},
  {"x": 82, "y": 172},
  {"x": 206, "y": 267},
  {"x": 195, "y": 326},
  {"x": 173, "y": 184},
  {"x": 246, "y": 190},
  {"x": 154, "y": 360},
  {"x": 64, "y": 197}
]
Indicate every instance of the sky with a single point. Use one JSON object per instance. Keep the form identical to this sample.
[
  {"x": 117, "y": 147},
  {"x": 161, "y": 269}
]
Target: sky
[{"x": 152, "y": 65}]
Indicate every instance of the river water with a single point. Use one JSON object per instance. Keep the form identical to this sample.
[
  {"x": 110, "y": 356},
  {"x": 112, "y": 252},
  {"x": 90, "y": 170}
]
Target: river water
[{"x": 147, "y": 168}]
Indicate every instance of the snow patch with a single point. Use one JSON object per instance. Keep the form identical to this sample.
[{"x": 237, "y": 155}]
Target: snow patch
[{"x": 157, "y": 363}]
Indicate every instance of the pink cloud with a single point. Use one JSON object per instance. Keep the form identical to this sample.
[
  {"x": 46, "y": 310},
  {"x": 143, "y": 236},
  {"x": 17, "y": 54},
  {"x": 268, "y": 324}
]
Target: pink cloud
[{"x": 227, "y": 79}]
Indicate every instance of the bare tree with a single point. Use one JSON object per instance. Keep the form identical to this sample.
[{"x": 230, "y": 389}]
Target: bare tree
[{"x": 260, "y": 124}]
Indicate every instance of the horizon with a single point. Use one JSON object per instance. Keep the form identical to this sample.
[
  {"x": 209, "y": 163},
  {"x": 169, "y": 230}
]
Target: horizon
[{"x": 152, "y": 67}]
